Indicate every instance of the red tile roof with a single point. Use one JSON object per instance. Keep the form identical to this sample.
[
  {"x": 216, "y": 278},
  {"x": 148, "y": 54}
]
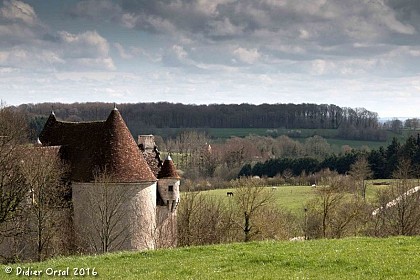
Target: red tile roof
[
  {"x": 103, "y": 145},
  {"x": 153, "y": 161},
  {"x": 168, "y": 170}
]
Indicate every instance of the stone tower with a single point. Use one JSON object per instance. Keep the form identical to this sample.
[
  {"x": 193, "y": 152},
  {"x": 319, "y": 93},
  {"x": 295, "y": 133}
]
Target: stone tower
[
  {"x": 107, "y": 168},
  {"x": 168, "y": 198}
]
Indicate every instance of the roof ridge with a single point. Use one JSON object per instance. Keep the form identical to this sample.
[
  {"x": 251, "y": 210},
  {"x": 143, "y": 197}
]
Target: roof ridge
[{"x": 82, "y": 122}]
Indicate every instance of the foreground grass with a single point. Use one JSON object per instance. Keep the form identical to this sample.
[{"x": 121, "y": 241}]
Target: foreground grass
[{"x": 355, "y": 258}]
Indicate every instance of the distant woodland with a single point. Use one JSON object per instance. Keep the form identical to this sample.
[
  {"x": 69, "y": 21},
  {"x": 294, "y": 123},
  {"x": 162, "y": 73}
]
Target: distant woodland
[
  {"x": 142, "y": 118},
  {"x": 383, "y": 163}
]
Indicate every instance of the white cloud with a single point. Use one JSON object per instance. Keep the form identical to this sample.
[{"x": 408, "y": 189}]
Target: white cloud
[
  {"x": 27, "y": 44},
  {"x": 73, "y": 51},
  {"x": 25, "y": 59},
  {"x": 129, "y": 20},
  {"x": 122, "y": 51},
  {"x": 14, "y": 10},
  {"x": 159, "y": 24},
  {"x": 209, "y": 7},
  {"x": 179, "y": 51},
  {"x": 15, "y": 31},
  {"x": 177, "y": 56},
  {"x": 87, "y": 50},
  {"x": 249, "y": 56},
  {"x": 280, "y": 30},
  {"x": 224, "y": 27},
  {"x": 304, "y": 34},
  {"x": 6, "y": 70},
  {"x": 19, "y": 24},
  {"x": 105, "y": 63},
  {"x": 88, "y": 43},
  {"x": 96, "y": 10},
  {"x": 320, "y": 66}
]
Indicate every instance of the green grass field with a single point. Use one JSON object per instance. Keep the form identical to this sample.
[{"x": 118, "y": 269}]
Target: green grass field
[
  {"x": 355, "y": 144},
  {"x": 294, "y": 198},
  {"x": 354, "y": 258}
]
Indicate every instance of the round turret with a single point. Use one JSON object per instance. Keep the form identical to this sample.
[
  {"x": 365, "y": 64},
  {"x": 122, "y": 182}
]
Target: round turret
[{"x": 168, "y": 184}]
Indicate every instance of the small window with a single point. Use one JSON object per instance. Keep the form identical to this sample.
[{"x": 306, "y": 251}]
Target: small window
[{"x": 170, "y": 188}]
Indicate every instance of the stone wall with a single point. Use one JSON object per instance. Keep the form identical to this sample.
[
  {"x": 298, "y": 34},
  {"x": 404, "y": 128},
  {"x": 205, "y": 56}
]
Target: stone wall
[
  {"x": 132, "y": 225},
  {"x": 147, "y": 142},
  {"x": 169, "y": 192},
  {"x": 167, "y": 212},
  {"x": 166, "y": 228}
]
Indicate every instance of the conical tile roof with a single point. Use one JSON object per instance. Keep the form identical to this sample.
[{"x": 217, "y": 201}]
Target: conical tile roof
[
  {"x": 92, "y": 146},
  {"x": 168, "y": 169},
  {"x": 122, "y": 156},
  {"x": 48, "y": 130}
]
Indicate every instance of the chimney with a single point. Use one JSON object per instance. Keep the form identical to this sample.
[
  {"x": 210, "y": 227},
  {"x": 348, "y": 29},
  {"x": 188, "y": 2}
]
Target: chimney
[{"x": 146, "y": 142}]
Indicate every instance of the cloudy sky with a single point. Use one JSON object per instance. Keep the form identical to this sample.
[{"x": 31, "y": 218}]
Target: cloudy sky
[{"x": 355, "y": 53}]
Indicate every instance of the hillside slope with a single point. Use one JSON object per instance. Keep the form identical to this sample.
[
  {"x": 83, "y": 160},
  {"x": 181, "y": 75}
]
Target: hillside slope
[{"x": 354, "y": 258}]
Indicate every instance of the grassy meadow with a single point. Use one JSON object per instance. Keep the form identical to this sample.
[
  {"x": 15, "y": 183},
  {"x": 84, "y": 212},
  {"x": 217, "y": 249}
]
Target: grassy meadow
[
  {"x": 353, "y": 258},
  {"x": 294, "y": 198}
]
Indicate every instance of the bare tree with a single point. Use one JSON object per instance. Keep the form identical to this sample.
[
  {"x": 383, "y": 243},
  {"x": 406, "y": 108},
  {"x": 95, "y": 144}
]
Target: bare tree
[
  {"x": 403, "y": 171},
  {"x": 185, "y": 217},
  {"x": 329, "y": 196},
  {"x": 275, "y": 223},
  {"x": 361, "y": 171},
  {"x": 348, "y": 218},
  {"x": 250, "y": 197},
  {"x": 329, "y": 199},
  {"x": 13, "y": 189},
  {"x": 190, "y": 144},
  {"x": 317, "y": 147},
  {"x": 44, "y": 173},
  {"x": 103, "y": 203},
  {"x": 399, "y": 212},
  {"x": 288, "y": 175},
  {"x": 412, "y": 123},
  {"x": 203, "y": 220},
  {"x": 395, "y": 125},
  {"x": 13, "y": 186}
]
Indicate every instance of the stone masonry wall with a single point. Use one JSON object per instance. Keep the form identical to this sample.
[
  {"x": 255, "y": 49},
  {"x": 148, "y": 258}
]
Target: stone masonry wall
[{"x": 133, "y": 222}]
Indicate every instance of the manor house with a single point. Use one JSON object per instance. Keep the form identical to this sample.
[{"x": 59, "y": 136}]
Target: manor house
[{"x": 145, "y": 189}]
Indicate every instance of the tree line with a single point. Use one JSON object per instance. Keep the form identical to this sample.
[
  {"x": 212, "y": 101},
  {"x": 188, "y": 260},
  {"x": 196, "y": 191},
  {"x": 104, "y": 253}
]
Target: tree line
[
  {"x": 383, "y": 161},
  {"x": 199, "y": 156},
  {"x": 142, "y": 118}
]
